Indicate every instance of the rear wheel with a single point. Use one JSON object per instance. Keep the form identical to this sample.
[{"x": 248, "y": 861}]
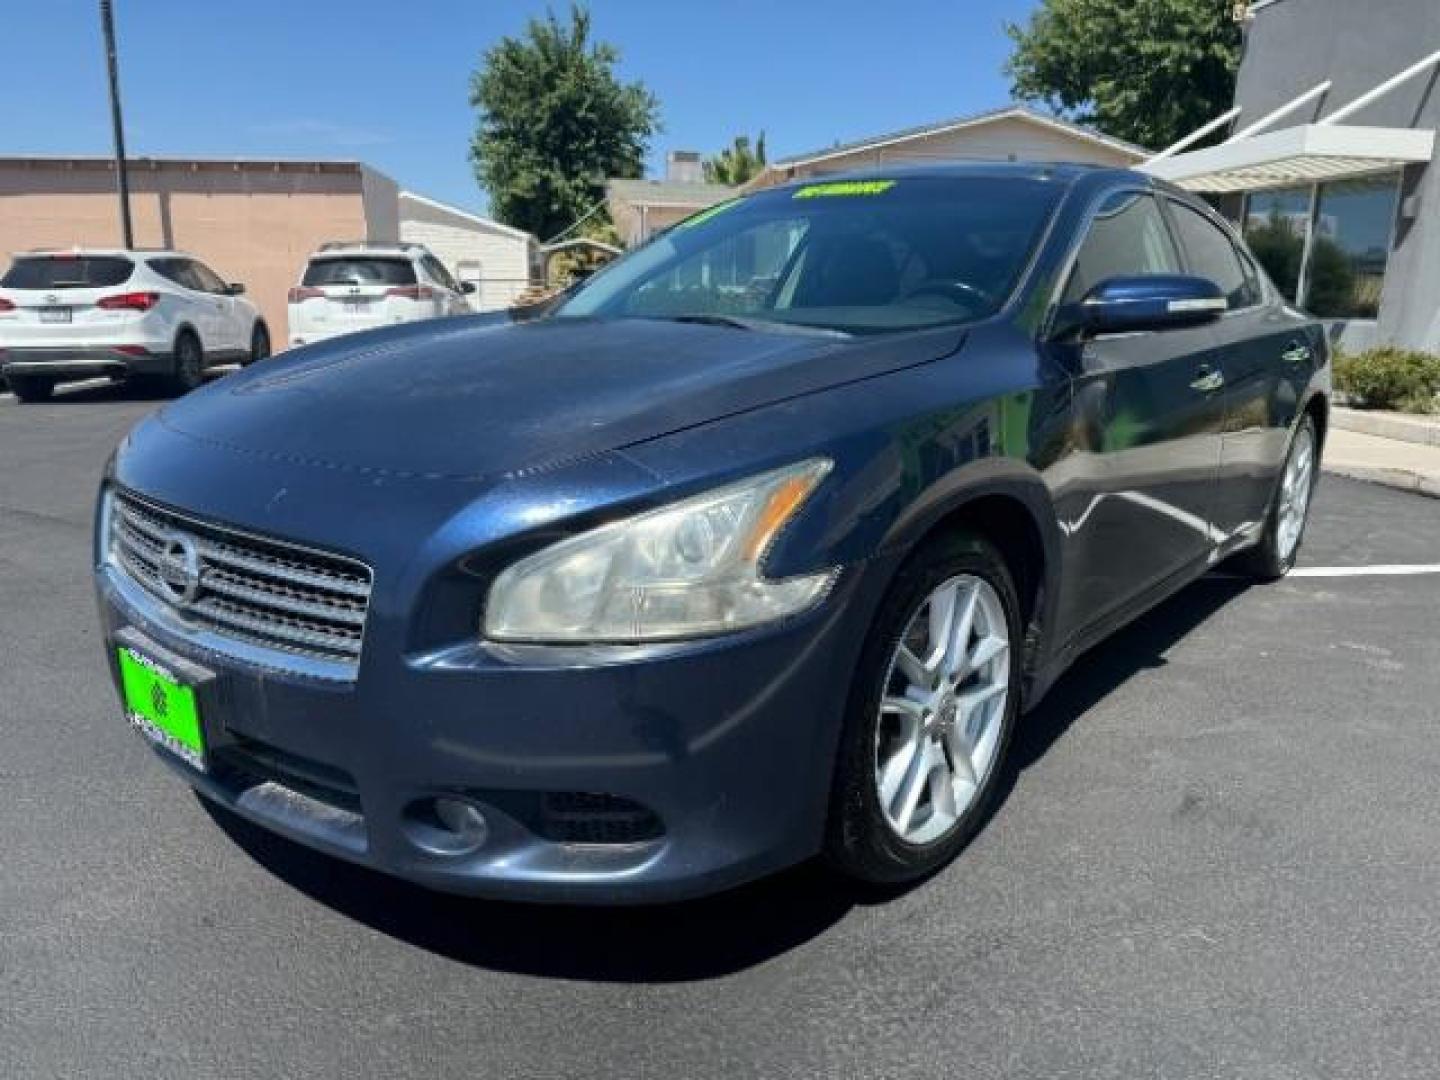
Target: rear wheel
[
  {"x": 1274, "y": 556},
  {"x": 259, "y": 344},
  {"x": 930, "y": 717},
  {"x": 31, "y": 387},
  {"x": 189, "y": 362}
]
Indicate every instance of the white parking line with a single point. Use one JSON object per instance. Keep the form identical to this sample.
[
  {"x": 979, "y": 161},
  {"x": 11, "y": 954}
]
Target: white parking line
[{"x": 1391, "y": 570}]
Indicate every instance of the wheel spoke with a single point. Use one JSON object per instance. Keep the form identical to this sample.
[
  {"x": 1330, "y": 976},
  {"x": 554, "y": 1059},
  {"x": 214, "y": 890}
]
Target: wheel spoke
[
  {"x": 961, "y": 754},
  {"x": 912, "y": 667},
  {"x": 912, "y": 787},
  {"x": 964, "y": 626},
  {"x": 894, "y": 769},
  {"x": 943, "y": 603},
  {"x": 986, "y": 649},
  {"x": 942, "y": 794}
]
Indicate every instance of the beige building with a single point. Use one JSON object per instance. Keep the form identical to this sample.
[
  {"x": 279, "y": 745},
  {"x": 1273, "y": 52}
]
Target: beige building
[
  {"x": 640, "y": 208},
  {"x": 252, "y": 221}
]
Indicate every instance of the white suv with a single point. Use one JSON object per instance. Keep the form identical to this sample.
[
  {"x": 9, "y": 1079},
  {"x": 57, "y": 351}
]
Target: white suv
[
  {"x": 79, "y": 314},
  {"x": 362, "y": 285}
]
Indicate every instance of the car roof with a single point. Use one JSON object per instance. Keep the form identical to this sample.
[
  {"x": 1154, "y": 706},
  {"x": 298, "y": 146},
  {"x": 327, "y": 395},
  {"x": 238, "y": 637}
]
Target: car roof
[
  {"x": 341, "y": 248},
  {"x": 97, "y": 252},
  {"x": 1062, "y": 172}
]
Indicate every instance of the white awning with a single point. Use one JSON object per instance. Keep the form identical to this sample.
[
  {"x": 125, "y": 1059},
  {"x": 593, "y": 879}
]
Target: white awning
[{"x": 1298, "y": 155}]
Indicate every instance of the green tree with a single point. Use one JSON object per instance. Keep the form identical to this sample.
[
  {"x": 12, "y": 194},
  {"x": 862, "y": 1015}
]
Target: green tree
[
  {"x": 554, "y": 123},
  {"x": 737, "y": 163},
  {"x": 1150, "y": 71}
]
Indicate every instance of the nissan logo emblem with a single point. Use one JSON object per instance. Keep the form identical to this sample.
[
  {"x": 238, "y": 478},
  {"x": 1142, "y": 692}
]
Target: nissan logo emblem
[{"x": 179, "y": 567}]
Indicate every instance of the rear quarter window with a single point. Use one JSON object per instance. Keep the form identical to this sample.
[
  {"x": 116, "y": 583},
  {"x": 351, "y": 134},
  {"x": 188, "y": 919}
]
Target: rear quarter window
[
  {"x": 366, "y": 270},
  {"x": 67, "y": 272}
]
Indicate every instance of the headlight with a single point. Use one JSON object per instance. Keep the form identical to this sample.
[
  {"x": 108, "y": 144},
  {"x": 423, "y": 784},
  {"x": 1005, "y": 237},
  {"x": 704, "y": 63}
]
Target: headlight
[{"x": 689, "y": 569}]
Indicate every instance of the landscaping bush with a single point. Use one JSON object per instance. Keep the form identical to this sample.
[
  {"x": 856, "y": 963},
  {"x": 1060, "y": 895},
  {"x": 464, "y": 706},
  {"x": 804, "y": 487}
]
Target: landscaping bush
[{"x": 1390, "y": 378}]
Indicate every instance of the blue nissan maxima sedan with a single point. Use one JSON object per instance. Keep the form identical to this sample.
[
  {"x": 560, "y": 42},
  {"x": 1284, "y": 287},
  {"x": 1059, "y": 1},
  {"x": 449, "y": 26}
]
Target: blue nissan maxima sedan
[{"x": 758, "y": 544}]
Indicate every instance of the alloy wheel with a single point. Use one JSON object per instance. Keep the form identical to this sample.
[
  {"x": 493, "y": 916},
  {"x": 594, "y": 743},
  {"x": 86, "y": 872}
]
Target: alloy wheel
[
  {"x": 938, "y": 735},
  {"x": 1295, "y": 489}
]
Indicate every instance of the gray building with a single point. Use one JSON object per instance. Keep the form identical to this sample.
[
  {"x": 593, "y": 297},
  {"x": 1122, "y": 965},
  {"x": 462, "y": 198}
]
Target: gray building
[{"x": 1330, "y": 166}]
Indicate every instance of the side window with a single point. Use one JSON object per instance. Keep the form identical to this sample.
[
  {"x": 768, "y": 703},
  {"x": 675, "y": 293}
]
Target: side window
[
  {"x": 171, "y": 270},
  {"x": 1128, "y": 238},
  {"x": 1212, "y": 255},
  {"x": 436, "y": 269},
  {"x": 206, "y": 279}
]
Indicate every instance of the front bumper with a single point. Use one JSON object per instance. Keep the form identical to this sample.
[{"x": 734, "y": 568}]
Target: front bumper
[
  {"x": 81, "y": 362},
  {"x": 727, "y": 744}
]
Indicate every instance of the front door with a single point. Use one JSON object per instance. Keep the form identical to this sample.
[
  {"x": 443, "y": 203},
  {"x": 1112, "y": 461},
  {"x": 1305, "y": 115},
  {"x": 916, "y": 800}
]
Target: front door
[{"x": 1148, "y": 417}]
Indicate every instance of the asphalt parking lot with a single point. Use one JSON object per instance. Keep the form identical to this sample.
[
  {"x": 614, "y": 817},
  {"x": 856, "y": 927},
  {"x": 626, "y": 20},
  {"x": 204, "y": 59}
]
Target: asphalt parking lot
[{"x": 1216, "y": 857}]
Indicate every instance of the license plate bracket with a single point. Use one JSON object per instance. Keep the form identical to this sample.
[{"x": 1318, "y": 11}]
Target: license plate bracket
[{"x": 165, "y": 697}]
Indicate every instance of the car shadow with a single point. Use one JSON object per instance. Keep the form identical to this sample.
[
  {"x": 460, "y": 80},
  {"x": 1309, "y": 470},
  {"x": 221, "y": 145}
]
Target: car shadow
[{"x": 695, "y": 939}]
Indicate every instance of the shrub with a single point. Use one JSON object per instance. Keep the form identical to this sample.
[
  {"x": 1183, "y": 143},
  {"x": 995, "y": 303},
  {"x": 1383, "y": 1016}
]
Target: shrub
[{"x": 1390, "y": 378}]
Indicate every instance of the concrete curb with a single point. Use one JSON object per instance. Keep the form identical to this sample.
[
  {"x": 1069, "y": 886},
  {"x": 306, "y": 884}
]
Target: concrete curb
[
  {"x": 1422, "y": 430},
  {"x": 1400, "y": 479}
]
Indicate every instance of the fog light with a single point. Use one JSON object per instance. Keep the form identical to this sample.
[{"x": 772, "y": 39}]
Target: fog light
[
  {"x": 463, "y": 819},
  {"x": 445, "y": 825}
]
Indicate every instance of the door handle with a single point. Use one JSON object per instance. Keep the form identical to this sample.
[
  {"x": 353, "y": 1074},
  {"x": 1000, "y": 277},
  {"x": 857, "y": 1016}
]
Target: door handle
[
  {"x": 1207, "y": 380},
  {"x": 1296, "y": 354}
]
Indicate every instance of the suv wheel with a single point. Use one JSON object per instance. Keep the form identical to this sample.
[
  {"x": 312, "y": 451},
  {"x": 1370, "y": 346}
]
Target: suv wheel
[
  {"x": 31, "y": 387},
  {"x": 931, "y": 715},
  {"x": 259, "y": 344},
  {"x": 189, "y": 362}
]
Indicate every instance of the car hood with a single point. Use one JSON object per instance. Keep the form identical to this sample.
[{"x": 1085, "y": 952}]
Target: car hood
[{"x": 474, "y": 398}]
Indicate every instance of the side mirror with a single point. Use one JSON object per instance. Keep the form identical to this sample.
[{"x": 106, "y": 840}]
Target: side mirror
[
  {"x": 467, "y": 287},
  {"x": 235, "y": 288},
  {"x": 1122, "y": 305}
]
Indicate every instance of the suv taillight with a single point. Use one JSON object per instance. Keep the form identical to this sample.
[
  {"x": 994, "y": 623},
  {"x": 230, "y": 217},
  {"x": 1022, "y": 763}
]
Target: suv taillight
[
  {"x": 130, "y": 301},
  {"x": 6, "y": 305},
  {"x": 412, "y": 292},
  {"x": 305, "y": 292}
]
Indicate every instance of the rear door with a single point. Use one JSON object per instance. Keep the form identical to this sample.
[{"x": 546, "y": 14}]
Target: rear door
[
  {"x": 52, "y": 300},
  {"x": 232, "y": 330},
  {"x": 1266, "y": 357},
  {"x": 344, "y": 293},
  {"x": 1148, "y": 421}
]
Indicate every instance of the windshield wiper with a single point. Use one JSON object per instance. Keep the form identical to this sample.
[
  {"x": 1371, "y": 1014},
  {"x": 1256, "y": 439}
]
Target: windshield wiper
[{"x": 741, "y": 322}]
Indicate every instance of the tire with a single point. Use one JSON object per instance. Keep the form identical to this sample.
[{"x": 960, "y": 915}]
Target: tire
[
  {"x": 259, "y": 345},
  {"x": 31, "y": 388},
  {"x": 870, "y": 835},
  {"x": 1274, "y": 556},
  {"x": 189, "y": 363}
]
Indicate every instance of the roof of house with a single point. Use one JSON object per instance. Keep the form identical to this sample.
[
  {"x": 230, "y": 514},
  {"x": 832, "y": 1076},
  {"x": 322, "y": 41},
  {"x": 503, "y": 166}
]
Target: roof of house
[
  {"x": 466, "y": 215},
  {"x": 1008, "y": 112},
  {"x": 668, "y": 193}
]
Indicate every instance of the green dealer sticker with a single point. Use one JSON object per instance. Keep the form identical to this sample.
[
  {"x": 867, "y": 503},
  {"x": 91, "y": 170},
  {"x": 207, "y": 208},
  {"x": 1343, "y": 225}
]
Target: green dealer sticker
[
  {"x": 844, "y": 189},
  {"x": 164, "y": 710}
]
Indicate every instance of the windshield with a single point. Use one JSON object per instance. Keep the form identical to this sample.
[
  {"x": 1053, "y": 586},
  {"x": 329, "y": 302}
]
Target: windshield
[
  {"x": 858, "y": 256},
  {"x": 360, "y": 270},
  {"x": 67, "y": 272}
]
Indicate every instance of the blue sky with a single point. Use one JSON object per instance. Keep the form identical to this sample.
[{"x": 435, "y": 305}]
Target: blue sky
[{"x": 387, "y": 82}]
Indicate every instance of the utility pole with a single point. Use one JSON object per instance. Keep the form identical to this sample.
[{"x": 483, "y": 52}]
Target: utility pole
[{"x": 107, "y": 26}]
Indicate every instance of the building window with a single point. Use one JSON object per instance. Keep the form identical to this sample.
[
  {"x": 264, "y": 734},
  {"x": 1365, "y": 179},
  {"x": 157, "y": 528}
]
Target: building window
[
  {"x": 1341, "y": 270},
  {"x": 1353, "y": 226},
  {"x": 1275, "y": 227}
]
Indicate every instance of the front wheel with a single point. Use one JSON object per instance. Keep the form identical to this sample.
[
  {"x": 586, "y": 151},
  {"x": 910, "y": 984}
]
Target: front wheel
[
  {"x": 1274, "y": 556},
  {"x": 931, "y": 715}
]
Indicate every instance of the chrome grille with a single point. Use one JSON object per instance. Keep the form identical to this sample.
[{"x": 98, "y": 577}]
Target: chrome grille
[{"x": 262, "y": 592}]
